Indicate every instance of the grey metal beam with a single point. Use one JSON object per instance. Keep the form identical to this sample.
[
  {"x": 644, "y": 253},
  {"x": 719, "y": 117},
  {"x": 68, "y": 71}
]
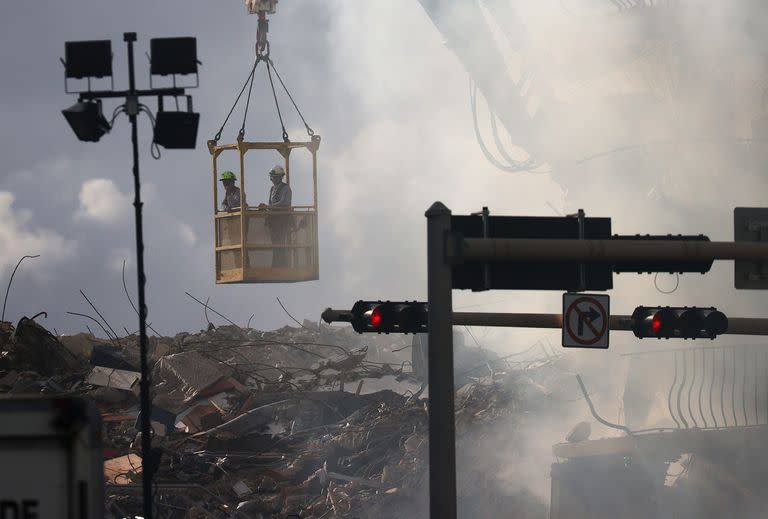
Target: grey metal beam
[
  {"x": 736, "y": 325},
  {"x": 513, "y": 249}
]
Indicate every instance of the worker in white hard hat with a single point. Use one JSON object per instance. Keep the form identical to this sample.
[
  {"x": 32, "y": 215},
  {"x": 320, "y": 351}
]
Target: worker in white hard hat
[{"x": 279, "y": 225}]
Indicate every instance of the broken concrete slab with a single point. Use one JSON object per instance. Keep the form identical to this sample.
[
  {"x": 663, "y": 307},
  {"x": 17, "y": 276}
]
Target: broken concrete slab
[
  {"x": 110, "y": 356},
  {"x": 182, "y": 377},
  {"x": 114, "y": 378},
  {"x": 80, "y": 344}
]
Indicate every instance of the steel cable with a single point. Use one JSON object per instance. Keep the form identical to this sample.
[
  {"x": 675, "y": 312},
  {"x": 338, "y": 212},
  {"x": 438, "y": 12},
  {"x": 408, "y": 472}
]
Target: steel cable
[
  {"x": 241, "y": 133},
  {"x": 277, "y": 105},
  {"x": 310, "y": 131},
  {"x": 248, "y": 79}
]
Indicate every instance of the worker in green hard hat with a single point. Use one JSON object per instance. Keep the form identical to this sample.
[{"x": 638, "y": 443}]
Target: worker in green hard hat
[{"x": 231, "y": 200}]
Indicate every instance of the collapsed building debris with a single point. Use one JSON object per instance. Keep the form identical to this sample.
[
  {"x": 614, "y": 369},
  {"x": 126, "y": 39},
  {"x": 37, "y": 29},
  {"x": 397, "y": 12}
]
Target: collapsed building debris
[{"x": 297, "y": 421}]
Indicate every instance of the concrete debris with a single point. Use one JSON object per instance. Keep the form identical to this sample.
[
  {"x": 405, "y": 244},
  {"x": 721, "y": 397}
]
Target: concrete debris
[
  {"x": 6, "y": 331},
  {"x": 182, "y": 377},
  {"x": 272, "y": 424},
  {"x": 111, "y": 356},
  {"x": 123, "y": 469},
  {"x": 115, "y": 378},
  {"x": 35, "y": 348}
]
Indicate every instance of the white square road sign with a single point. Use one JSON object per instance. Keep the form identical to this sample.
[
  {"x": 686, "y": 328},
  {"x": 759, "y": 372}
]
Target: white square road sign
[{"x": 586, "y": 319}]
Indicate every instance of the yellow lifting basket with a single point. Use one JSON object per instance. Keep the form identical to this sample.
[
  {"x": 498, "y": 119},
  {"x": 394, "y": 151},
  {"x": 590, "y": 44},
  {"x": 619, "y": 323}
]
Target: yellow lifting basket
[{"x": 244, "y": 239}]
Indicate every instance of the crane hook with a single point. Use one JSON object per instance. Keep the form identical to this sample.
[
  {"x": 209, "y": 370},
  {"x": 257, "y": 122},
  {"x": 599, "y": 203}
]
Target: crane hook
[{"x": 262, "y": 44}]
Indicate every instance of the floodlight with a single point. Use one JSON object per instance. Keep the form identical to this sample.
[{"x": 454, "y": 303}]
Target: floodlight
[
  {"x": 84, "y": 59},
  {"x": 176, "y": 130},
  {"x": 87, "y": 120},
  {"x": 173, "y": 56}
]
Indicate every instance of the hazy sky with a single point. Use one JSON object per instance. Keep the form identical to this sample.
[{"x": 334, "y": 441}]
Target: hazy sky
[{"x": 391, "y": 102}]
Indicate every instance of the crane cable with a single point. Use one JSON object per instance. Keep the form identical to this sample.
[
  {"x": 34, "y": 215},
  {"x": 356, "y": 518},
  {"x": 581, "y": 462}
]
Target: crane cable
[
  {"x": 277, "y": 105},
  {"x": 262, "y": 54},
  {"x": 310, "y": 131},
  {"x": 241, "y": 133},
  {"x": 249, "y": 78}
]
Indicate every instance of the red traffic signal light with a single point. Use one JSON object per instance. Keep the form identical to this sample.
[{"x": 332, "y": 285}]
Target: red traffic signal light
[
  {"x": 678, "y": 322},
  {"x": 376, "y": 317},
  {"x": 662, "y": 322},
  {"x": 656, "y": 323},
  {"x": 389, "y": 317}
]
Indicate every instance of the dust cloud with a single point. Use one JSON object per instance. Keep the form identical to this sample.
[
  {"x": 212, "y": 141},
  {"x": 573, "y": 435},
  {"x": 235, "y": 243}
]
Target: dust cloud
[{"x": 648, "y": 114}]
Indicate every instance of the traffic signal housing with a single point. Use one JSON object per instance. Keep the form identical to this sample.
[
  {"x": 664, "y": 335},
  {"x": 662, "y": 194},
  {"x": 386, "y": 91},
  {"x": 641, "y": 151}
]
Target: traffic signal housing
[
  {"x": 678, "y": 322},
  {"x": 389, "y": 317}
]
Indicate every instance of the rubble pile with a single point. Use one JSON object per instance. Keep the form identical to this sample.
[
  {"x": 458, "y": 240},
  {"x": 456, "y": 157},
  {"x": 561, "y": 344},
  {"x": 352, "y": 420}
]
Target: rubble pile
[{"x": 252, "y": 424}]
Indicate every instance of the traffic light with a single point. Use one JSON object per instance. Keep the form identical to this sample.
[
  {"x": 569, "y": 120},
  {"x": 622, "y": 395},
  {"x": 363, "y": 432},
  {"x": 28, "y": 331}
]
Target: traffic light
[
  {"x": 389, "y": 317},
  {"x": 678, "y": 322}
]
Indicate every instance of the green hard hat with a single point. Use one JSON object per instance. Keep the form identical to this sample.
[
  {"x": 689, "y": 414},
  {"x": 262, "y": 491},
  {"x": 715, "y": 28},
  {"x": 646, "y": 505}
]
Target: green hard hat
[{"x": 228, "y": 175}]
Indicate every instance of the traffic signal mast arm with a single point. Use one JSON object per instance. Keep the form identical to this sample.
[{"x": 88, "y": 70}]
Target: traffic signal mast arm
[
  {"x": 736, "y": 325},
  {"x": 461, "y": 249}
]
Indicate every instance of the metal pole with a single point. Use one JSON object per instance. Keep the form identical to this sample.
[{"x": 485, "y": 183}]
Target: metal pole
[
  {"x": 747, "y": 326},
  {"x": 146, "y": 435},
  {"x": 442, "y": 435},
  {"x": 517, "y": 249},
  {"x": 510, "y": 320},
  {"x": 736, "y": 325}
]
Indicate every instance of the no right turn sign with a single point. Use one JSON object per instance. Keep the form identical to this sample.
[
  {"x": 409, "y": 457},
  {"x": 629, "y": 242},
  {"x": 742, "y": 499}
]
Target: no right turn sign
[{"x": 585, "y": 320}]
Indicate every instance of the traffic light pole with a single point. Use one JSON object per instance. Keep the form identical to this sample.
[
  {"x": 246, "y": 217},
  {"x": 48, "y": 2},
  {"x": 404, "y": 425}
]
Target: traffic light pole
[
  {"x": 446, "y": 250},
  {"x": 442, "y": 425}
]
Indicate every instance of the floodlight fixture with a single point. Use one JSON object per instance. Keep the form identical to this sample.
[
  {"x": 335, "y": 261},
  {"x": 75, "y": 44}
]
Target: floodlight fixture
[
  {"x": 93, "y": 59},
  {"x": 87, "y": 59},
  {"x": 87, "y": 120},
  {"x": 173, "y": 56},
  {"x": 176, "y": 130}
]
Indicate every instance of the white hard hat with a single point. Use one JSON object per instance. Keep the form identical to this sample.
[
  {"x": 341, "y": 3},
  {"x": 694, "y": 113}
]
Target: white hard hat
[{"x": 277, "y": 171}]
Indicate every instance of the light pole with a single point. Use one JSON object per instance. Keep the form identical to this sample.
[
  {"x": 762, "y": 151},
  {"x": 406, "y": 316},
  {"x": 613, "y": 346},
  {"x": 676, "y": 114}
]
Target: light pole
[{"x": 170, "y": 56}]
